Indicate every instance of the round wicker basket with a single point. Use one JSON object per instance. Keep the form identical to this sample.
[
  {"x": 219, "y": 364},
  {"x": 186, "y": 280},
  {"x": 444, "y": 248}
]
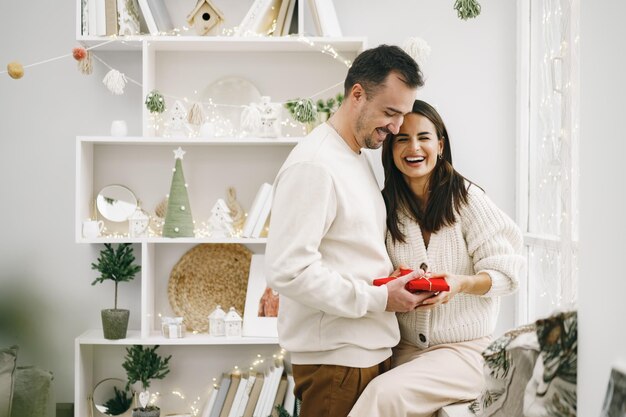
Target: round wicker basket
[{"x": 205, "y": 276}]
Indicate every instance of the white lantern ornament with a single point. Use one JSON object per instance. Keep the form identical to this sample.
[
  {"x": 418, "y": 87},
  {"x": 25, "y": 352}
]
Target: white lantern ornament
[
  {"x": 216, "y": 322},
  {"x": 138, "y": 223},
  {"x": 232, "y": 322}
]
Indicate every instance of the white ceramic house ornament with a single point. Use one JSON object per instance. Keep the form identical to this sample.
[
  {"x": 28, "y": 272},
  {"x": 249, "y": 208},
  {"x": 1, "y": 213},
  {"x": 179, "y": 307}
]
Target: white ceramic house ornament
[
  {"x": 216, "y": 322},
  {"x": 270, "y": 118},
  {"x": 205, "y": 17},
  {"x": 138, "y": 223},
  {"x": 232, "y": 321}
]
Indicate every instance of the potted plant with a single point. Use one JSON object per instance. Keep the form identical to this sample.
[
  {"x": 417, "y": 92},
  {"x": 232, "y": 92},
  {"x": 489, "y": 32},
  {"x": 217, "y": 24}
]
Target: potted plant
[
  {"x": 143, "y": 364},
  {"x": 118, "y": 266},
  {"x": 326, "y": 108}
]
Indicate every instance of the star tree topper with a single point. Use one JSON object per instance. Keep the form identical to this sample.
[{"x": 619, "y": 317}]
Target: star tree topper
[{"x": 179, "y": 153}]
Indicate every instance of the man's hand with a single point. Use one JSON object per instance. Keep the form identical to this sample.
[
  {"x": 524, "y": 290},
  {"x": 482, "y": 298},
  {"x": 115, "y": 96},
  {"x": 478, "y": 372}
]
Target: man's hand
[{"x": 399, "y": 299}]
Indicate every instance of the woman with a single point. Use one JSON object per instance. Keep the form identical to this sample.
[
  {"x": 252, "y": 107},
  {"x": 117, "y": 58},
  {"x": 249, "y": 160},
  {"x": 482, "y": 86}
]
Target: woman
[{"x": 439, "y": 221}]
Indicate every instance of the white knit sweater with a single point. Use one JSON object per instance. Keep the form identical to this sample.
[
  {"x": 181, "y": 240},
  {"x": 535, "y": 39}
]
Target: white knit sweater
[{"x": 483, "y": 239}]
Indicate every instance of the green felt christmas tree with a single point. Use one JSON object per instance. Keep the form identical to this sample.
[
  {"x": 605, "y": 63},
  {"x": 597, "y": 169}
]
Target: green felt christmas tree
[{"x": 178, "y": 220}]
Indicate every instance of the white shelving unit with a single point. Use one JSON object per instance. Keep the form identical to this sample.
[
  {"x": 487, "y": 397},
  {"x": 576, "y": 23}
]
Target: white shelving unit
[{"x": 282, "y": 67}]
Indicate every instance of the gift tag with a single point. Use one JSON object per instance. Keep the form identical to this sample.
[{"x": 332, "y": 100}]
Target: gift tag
[{"x": 144, "y": 397}]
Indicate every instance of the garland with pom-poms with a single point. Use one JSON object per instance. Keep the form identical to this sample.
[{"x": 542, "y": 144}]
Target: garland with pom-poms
[
  {"x": 155, "y": 103},
  {"x": 85, "y": 65},
  {"x": 15, "y": 70},
  {"x": 115, "y": 81},
  {"x": 196, "y": 114},
  {"x": 467, "y": 9},
  {"x": 418, "y": 49},
  {"x": 302, "y": 110}
]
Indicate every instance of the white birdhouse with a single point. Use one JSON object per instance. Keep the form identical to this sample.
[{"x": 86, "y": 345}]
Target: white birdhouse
[
  {"x": 216, "y": 322},
  {"x": 233, "y": 323},
  {"x": 138, "y": 223},
  {"x": 205, "y": 17}
]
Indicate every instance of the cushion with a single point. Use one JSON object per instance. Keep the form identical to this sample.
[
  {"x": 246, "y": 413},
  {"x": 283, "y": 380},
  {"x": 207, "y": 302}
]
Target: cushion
[
  {"x": 552, "y": 388},
  {"x": 509, "y": 363},
  {"x": 7, "y": 369},
  {"x": 32, "y": 392}
]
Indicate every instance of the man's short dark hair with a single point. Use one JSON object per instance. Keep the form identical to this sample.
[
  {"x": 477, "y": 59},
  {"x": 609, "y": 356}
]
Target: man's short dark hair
[{"x": 372, "y": 66}]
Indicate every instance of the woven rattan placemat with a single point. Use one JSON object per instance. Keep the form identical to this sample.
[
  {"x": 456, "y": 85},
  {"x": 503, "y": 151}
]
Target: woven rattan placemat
[{"x": 205, "y": 276}]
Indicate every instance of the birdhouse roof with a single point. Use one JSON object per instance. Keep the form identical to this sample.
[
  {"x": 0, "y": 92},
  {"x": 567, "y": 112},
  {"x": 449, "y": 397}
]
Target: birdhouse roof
[
  {"x": 199, "y": 5},
  {"x": 218, "y": 313},
  {"x": 232, "y": 315}
]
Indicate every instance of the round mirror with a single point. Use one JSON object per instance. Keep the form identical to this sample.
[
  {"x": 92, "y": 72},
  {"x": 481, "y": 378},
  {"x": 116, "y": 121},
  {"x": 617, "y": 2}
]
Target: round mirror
[
  {"x": 116, "y": 203},
  {"x": 110, "y": 398}
]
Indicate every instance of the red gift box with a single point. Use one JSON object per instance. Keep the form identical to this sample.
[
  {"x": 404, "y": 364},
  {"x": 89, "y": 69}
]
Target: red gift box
[{"x": 418, "y": 284}]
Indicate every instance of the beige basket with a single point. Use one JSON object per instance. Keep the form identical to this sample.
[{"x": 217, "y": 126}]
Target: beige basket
[{"x": 205, "y": 276}]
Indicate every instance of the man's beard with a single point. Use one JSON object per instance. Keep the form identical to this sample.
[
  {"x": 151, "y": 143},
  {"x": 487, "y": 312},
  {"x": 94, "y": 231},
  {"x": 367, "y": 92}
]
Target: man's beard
[{"x": 361, "y": 133}]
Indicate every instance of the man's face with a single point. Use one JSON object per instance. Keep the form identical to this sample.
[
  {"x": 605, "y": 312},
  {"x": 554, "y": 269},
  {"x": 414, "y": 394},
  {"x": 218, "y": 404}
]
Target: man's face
[{"x": 382, "y": 113}]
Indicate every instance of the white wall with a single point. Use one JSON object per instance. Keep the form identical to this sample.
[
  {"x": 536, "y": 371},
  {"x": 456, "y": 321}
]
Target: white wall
[
  {"x": 45, "y": 277},
  {"x": 602, "y": 286}
]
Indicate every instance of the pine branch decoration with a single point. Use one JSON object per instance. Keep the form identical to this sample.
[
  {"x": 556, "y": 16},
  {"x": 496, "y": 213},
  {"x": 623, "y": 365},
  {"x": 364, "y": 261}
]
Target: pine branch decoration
[
  {"x": 155, "y": 103},
  {"x": 116, "y": 265},
  {"x": 144, "y": 364},
  {"x": 467, "y": 9},
  {"x": 302, "y": 110}
]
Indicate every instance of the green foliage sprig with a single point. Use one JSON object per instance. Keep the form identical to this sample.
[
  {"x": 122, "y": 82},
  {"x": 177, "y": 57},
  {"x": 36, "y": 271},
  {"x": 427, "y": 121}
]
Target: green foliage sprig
[
  {"x": 119, "y": 403},
  {"x": 302, "y": 110},
  {"x": 144, "y": 364},
  {"x": 116, "y": 265},
  {"x": 467, "y": 9},
  {"x": 155, "y": 103},
  {"x": 330, "y": 105}
]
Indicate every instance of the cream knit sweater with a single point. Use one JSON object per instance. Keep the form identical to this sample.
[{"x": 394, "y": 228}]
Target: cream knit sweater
[
  {"x": 484, "y": 239},
  {"x": 325, "y": 246}
]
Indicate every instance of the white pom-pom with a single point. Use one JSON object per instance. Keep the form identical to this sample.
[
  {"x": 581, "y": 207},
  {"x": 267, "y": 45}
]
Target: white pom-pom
[
  {"x": 115, "y": 81},
  {"x": 196, "y": 114},
  {"x": 418, "y": 49},
  {"x": 251, "y": 119}
]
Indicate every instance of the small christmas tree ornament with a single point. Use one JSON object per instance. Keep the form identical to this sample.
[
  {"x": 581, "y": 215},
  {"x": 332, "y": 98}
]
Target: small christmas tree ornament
[
  {"x": 178, "y": 220},
  {"x": 418, "y": 49},
  {"x": 220, "y": 222},
  {"x": 467, "y": 9},
  {"x": 79, "y": 53},
  {"x": 155, "y": 103},
  {"x": 232, "y": 323},
  {"x": 217, "y": 326},
  {"x": 115, "y": 81},
  {"x": 15, "y": 70},
  {"x": 85, "y": 65},
  {"x": 176, "y": 124},
  {"x": 270, "y": 118}
]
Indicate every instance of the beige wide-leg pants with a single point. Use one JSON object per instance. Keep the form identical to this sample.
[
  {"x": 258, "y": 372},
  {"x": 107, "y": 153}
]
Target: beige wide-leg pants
[{"x": 423, "y": 381}]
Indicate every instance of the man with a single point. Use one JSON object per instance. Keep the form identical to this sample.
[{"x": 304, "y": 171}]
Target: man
[{"x": 327, "y": 241}]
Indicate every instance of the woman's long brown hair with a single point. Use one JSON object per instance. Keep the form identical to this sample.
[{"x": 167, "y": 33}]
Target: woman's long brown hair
[{"x": 447, "y": 188}]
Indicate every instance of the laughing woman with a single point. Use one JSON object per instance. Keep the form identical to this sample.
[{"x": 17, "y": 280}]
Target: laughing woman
[{"x": 438, "y": 220}]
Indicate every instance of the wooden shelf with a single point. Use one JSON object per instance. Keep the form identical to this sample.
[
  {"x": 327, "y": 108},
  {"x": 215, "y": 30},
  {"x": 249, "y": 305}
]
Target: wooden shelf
[
  {"x": 241, "y": 240},
  {"x": 95, "y": 337},
  {"x": 225, "y": 43},
  {"x": 184, "y": 141}
]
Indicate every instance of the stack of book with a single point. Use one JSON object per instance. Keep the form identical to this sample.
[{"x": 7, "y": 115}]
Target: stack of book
[
  {"x": 253, "y": 394},
  {"x": 271, "y": 18},
  {"x": 279, "y": 18},
  {"x": 259, "y": 212},
  {"x": 103, "y": 17}
]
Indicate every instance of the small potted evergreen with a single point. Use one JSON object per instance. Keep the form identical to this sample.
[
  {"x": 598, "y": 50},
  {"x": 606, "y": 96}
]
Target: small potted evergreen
[
  {"x": 143, "y": 364},
  {"x": 118, "y": 266}
]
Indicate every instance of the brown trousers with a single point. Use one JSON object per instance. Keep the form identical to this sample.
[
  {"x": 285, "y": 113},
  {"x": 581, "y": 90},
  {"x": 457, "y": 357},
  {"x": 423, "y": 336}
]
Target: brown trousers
[{"x": 332, "y": 390}]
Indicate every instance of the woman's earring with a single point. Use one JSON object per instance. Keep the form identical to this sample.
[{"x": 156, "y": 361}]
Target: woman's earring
[{"x": 441, "y": 156}]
